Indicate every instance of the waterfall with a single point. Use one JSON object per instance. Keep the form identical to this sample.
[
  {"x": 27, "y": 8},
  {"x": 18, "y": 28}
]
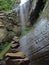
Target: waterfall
[{"x": 23, "y": 14}]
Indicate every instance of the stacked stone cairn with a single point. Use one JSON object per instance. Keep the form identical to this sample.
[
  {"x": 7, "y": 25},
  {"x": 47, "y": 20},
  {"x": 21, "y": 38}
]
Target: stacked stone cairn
[{"x": 14, "y": 56}]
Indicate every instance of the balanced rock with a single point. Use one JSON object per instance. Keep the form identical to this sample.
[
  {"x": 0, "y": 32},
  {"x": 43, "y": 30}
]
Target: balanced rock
[{"x": 16, "y": 55}]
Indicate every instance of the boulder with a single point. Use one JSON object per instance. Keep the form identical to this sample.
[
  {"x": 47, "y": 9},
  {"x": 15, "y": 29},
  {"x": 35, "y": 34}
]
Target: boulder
[
  {"x": 17, "y": 30},
  {"x": 9, "y": 26},
  {"x": 16, "y": 55},
  {"x": 10, "y": 36}
]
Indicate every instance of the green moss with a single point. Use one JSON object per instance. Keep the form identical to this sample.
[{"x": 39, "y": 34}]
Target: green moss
[
  {"x": 4, "y": 50},
  {"x": 6, "y": 5}
]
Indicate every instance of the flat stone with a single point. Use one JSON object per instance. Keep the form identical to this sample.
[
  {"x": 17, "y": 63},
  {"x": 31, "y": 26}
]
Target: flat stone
[
  {"x": 16, "y": 39},
  {"x": 24, "y": 61},
  {"x": 2, "y": 16},
  {"x": 13, "y": 50},
  {"x": 16, "y": 55},
  {"x": 12, "y": 42},
  {"x": 16, "y": 45},
  {"x": 9, "y": 62},
  {"x": 1, "y": 24}
]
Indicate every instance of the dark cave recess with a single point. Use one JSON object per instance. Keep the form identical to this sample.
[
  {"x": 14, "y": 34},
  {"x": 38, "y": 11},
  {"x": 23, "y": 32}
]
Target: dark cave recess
[{"x": 35, "y": 13}]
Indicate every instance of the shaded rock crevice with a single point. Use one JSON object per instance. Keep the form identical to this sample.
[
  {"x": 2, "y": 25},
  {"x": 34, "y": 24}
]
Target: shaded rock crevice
[{"x": 35, "y": 13}]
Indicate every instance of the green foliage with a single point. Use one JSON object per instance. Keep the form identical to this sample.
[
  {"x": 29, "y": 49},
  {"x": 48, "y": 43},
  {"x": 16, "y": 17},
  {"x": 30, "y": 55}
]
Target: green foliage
[{"x": 7, "y": 4}]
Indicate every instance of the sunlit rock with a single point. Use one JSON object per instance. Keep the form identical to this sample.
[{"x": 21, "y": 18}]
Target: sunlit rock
[
  {"x": 16, "y": 39},
  {"x": 16, "y": 55},
  {"x": 12, "y": 42}
]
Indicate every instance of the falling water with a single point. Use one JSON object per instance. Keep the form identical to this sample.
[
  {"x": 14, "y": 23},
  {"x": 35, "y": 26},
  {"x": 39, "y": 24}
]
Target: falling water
[
  {"x": 24, "y": 9},
  {"x": 23, "y": 15}
]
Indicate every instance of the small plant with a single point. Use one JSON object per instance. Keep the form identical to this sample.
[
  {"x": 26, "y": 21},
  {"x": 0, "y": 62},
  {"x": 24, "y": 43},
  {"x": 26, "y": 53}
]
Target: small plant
[{"x": 7, "y": 4}]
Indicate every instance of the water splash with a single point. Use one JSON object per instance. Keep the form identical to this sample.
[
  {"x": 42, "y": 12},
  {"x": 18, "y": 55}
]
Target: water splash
[{"x": 23, "y": 2}]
